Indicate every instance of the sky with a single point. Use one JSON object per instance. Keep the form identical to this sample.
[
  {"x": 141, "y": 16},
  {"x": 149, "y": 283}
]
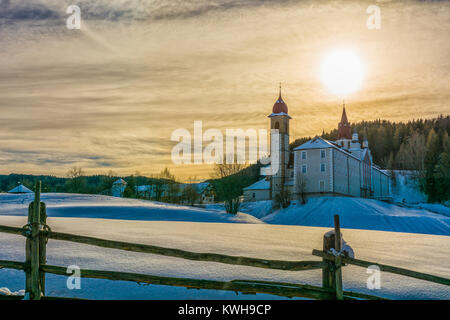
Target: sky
[{"x": 109, "y": 95}]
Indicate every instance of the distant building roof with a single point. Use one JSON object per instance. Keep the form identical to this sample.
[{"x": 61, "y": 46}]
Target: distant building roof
[
  {"x": 262, "y": 184},
  {"x": 20, "y": 189},
  {"x": 120, "y": 181}
]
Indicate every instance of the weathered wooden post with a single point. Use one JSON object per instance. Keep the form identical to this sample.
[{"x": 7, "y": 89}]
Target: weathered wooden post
[
  {"x": 338, "y": 259},
  {"x": 42, "y": 246},
  {"x": 35, "y": 290},
  {"x": 328, "y": 277}
]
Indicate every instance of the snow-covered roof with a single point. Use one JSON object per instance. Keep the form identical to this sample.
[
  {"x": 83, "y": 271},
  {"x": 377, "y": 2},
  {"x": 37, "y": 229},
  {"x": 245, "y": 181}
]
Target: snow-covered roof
[
  {"x": 120, "y": 181},
  {"x": 262, "y": 184},
  {"x": 316, "y": 143},
  {"x": 20, "y": 189},
  {"x": 320, "y": 143}
]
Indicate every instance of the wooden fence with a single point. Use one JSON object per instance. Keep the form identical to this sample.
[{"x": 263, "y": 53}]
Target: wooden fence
[{"x": 37, "y": 234}]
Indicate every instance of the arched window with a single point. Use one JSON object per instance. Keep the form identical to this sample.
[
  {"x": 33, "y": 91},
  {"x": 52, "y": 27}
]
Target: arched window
[{"x": 277, "y": 125}]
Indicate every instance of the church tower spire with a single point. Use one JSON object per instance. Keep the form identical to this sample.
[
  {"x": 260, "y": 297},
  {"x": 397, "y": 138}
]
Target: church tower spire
[{"x": 344, "y": 130}]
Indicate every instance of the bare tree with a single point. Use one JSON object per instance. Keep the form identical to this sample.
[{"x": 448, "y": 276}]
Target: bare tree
[
  {"x": 76, "y": 182},
  {"x": 227, "y": 185},
  {"x": 300, "y": 184}
]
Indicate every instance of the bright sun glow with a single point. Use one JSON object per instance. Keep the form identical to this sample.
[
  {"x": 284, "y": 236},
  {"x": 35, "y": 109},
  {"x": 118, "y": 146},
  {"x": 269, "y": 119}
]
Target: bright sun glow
[{"x": 342, "y": 72}]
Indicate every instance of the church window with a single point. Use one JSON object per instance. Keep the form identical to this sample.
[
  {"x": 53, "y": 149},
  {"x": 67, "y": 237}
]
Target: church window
[
  {"x": 304, "y": 168},
  {"x": 322, "y": 154},
  {"x": 322, "y": 167},
  {"x": 277, "y": 125},
  {"x": 303, "y": 155}
]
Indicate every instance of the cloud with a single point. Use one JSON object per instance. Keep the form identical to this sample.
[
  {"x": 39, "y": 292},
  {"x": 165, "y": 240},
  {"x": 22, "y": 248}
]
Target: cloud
[{"x": 110, "y": 94}]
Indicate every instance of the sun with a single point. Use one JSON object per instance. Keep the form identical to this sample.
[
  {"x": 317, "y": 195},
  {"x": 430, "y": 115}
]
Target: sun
[{"x": 342, "y": 72}]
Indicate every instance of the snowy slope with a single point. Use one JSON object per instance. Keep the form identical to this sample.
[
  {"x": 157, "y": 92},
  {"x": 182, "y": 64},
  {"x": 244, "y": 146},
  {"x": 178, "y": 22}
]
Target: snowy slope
[
  {"x": 358, "y": 213},
  {"x": 425, "y": 253},
  {"x": 96, "y": 206}
]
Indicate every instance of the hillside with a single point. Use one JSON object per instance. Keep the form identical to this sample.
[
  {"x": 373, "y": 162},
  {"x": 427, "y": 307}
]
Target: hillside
[
  {"x": 358, "y": 213},
  {"x": 107, "y": 207}
]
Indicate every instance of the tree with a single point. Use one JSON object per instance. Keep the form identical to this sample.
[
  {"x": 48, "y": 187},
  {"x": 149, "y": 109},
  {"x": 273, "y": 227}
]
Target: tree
[
  {"x": 431, "y": 159},
  {"x": 283, "y": 198},
  {"x": 441, "y": 176},
  {"x": 229, "y": 184},
  {"x": 190, "y": 194},
  {"x": 130, "y": 190},
  {"x": 106, "y": 182},
  {"x": 300, "y": 186},
  {"x": 76, "y": 182}
]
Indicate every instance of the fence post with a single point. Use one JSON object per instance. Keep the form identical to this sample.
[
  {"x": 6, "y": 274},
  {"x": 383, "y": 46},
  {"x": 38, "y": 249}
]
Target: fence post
[
  {"x": 35, "y": 290},
  {"x": 28, "y": 254},
  {"x": 328, "y": 277},
  {"x": 338, "y": 260},
  {"x": 42, "y": 247}
]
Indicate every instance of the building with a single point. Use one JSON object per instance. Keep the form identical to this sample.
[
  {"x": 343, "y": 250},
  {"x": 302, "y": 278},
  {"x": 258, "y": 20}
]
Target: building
[
  {"x": 320, "y": 167},
  {"x": 118, "y": 188},
  {"x": 20, "y": 189}
]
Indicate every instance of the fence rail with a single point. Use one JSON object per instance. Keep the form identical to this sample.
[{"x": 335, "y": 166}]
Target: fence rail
[{"x": 37, "y": 233}]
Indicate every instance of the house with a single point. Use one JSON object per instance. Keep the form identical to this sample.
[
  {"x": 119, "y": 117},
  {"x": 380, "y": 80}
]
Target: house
[
  {"x": 320, "y": 167},
  {"x": 204, "y": 191},
  {"x": 260, "y": 190},
  {"x": 20, "y": 189},
  {"x": 118, "y": 188}
]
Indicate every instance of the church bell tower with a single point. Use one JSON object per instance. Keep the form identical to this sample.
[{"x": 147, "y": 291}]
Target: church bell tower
[{"x": 279, "y": 119}]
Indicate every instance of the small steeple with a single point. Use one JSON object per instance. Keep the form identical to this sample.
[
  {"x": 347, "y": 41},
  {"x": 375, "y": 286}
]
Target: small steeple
[{"x": 344, "y": 130}]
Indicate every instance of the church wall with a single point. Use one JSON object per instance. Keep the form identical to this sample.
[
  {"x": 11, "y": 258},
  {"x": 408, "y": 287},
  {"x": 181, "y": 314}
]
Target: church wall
[{"x": 313, "y": 174}]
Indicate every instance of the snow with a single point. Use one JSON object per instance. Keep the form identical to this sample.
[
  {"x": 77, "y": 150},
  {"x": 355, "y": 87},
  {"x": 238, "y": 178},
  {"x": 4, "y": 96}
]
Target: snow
[
  {"x": 178, "y": 226},
  {"x": 98, "y": 206},
  {"x": 406, "y": 188},
  {"x": 423, "y": 253},
  {"x": 358, "y": 213}
]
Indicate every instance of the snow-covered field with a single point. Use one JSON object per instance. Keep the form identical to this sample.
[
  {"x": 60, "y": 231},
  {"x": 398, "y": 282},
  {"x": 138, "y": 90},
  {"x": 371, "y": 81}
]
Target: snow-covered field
[
  {"x": 107, "y": 207},
  {"x": 358, "y": 213},
  {"x": 179, "y": 227}
]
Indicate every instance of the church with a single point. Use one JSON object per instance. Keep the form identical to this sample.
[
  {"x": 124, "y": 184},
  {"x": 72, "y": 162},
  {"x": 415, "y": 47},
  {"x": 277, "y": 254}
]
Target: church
[{"x": 320, "y": 167}]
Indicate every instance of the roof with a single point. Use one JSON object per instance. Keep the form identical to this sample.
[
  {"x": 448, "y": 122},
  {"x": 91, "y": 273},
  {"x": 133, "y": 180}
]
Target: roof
[
  {"x": 320, "y": 143},
  {"x": 344, "y": 130},
  {"x": 120, "y": 181},
  {"x": 262, "y": 184},
  {"x": 280, "y": 106},
  {"x": 20, "y": 189},
  {"x": 316, "y": 143}
]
